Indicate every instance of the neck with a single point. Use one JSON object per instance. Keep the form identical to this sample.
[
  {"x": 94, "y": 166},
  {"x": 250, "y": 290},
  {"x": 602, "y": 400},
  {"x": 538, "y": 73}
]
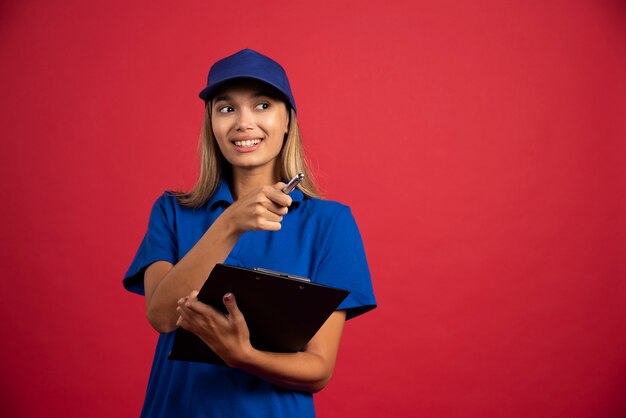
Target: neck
[{"x": 244, "y": 180}]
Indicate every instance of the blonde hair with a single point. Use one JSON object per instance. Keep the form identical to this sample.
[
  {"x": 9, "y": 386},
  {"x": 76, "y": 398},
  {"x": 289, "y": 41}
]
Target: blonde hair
[{"x": 213, "y": 166}]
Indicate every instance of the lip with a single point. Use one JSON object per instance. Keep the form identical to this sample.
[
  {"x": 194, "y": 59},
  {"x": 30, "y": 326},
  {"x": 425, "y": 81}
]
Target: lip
[{"x": 246, "y": 149}]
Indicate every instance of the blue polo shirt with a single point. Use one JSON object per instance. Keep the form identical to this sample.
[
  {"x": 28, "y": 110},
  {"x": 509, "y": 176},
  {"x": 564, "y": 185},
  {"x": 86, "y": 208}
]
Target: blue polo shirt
[{"x": 319, "y": 239}]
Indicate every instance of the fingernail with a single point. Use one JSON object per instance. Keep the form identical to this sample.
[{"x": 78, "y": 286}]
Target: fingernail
[{"x": 228, "y": 297}]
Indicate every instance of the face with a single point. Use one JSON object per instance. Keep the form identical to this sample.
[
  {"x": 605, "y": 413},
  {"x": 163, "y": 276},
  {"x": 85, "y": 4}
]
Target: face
[{"x": 249, "y": 123}]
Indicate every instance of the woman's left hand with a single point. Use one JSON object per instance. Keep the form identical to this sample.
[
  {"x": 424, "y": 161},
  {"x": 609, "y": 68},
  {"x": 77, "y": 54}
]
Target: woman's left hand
[{"x": 227, "y": 335}]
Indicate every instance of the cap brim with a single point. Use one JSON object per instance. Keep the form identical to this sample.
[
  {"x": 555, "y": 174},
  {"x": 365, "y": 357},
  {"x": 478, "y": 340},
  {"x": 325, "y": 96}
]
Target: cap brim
[{"x": 206, "y": 93}]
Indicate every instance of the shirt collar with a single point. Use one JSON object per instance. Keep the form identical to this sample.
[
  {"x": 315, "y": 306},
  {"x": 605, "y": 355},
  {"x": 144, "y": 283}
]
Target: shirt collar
[{"x": 223, "y": 194}]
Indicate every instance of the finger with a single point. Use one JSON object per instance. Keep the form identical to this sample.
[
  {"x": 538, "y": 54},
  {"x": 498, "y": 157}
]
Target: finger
[
  {"x": 184, "y": 324},
  {"x": 280, "y": 198},
  {"x": 182, "y": 301},
  {"x": 203, "y": 309},
  {"x": 279, "y": 186},
  {"x": 190, "y": 319},
  {"x": 232, "y": 308},
  {"x": 272, "y": 212},
  {"x": 266, "y": 209},
  {"x": 183, "y": 309},
  {"x": 193, "y": 297},
  {"x": 275, "y": 209},
  {"x": 277, "y": 205},
  {"x": 183, "y": 313},
  {"x": 267, "y": 225}
]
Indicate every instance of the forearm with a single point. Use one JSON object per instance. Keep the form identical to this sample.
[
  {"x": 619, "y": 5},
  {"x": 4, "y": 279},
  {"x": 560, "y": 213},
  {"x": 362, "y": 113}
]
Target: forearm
[
  {"x": 302, "y": 371},
  {"x": 309, "y": 370},
  {"x": 229, "y": 337},
  {"x": 189, "y": 274}
]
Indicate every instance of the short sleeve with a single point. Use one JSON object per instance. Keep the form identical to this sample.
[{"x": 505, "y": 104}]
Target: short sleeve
[
  {"x": 344, "y": 265},
  {"x": 159, "y": 244}
]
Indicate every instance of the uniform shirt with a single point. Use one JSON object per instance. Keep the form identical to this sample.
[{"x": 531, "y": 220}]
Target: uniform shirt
[{"x": 318, "y": 239}]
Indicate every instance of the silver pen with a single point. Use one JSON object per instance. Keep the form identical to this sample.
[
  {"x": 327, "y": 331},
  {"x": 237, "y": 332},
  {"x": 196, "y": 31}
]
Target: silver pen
[{"x": 293, "y": 183}]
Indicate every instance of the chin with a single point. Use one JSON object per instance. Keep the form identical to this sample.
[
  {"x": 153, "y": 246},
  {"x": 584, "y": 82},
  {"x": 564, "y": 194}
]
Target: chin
[{"x": 249, "y": 163}]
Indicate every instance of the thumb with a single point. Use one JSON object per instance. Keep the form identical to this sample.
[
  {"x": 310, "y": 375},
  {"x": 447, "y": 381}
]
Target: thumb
[{"x": 231, "y": 306}]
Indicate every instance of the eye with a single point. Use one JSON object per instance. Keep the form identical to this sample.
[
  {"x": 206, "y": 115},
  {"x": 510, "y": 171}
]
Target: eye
[
  {"x": 226, "y": 109},
  {"x": 262, "y": 106}
]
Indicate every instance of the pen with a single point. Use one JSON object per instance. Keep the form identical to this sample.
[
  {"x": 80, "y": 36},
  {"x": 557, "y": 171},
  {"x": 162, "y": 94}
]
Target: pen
[{"x": 293, "y": 183}]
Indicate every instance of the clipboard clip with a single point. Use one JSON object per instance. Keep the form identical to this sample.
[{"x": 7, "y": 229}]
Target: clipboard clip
[{"x": 283, "y": 275}]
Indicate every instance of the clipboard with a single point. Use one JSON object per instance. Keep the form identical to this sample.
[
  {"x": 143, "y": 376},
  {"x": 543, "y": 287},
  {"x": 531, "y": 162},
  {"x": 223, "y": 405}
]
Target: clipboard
[{"x": 283, "y": 312}]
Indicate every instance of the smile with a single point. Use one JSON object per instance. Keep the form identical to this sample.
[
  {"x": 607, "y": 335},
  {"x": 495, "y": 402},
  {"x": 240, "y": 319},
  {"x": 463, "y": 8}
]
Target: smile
[{"x": 247, "y": 143}]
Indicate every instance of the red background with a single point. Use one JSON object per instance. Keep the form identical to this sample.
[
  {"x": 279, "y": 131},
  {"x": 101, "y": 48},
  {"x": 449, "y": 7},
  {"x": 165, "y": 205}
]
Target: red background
[{"x": 481, "y": 145}]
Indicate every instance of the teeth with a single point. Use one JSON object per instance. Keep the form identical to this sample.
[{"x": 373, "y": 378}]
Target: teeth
[{"x": 247, "y": 143}]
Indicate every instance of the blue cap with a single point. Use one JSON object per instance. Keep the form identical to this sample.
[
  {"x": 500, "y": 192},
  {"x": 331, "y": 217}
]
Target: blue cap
[{"x": 248, "y": 64}]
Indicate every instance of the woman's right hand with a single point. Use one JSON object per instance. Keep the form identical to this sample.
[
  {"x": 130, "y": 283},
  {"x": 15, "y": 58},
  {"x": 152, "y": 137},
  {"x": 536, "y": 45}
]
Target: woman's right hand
[{"x": 260, "y": 210}]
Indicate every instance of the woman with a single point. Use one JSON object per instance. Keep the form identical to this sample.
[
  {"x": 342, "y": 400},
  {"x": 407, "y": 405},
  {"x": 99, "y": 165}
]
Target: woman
[{"x": 238, "y": 215}]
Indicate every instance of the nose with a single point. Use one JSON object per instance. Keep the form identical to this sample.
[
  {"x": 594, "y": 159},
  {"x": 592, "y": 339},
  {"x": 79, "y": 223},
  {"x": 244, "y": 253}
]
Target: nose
[{"x": 245, "y": 120}]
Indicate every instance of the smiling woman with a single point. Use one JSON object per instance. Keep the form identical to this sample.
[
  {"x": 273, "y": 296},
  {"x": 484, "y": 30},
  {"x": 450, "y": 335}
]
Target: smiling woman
[
  {"x": 237, "y": 214},
  {"x": 213, "y": 166}
]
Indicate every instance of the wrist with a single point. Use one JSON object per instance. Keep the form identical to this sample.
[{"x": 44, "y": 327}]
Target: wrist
[
  {"x": 245, "y": 357},
  {"x": 228, "y": 225}
]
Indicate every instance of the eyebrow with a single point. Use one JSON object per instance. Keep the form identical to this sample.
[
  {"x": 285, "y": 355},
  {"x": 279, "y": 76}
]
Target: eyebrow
[{"x": 227, "y": 98}]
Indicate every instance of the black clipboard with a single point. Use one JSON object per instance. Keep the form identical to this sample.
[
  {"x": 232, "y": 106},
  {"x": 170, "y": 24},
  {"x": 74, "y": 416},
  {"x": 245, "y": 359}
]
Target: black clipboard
[{"x": 283, "y": 312}]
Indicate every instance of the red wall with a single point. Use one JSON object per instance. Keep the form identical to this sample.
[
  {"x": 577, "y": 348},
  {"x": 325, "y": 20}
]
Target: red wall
[{"x": 481, "y": 145}]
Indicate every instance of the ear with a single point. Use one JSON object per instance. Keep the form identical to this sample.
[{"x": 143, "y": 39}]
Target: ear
[{"x": 289, "y": 111}]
